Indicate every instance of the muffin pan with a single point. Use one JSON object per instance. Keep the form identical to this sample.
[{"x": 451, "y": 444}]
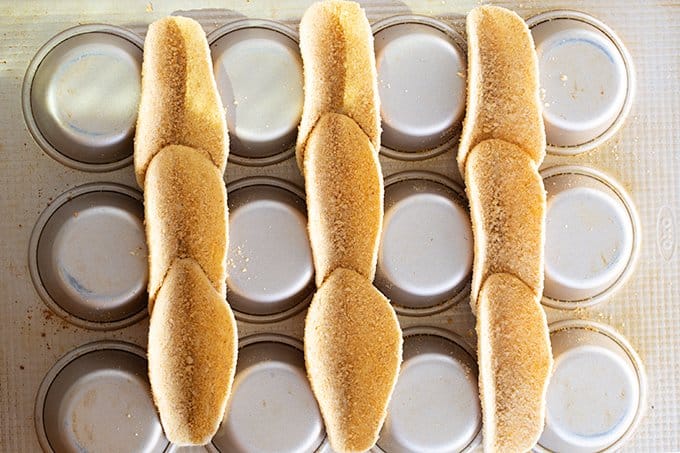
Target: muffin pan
[
  {"x": 424, "y": 414},
  {"x": 80, "y": 96},
  {"x": 269, "y": 261},
  {"x": 587, "y": 80},
  {"x": 424, "y": 266},
  {"x": 271, "y": 407},
  {"x": 87, "y": 257},
  {"x": 421, "y": 82},
  {"x": 597, "y": 391},
  {"x": 97, "y": 398},
  {"x": 592, "y": 237},
  {"x": 258, "y": 70}
]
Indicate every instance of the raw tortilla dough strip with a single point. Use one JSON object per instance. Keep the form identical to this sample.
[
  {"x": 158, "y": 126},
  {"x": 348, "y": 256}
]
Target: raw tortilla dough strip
[
  {"x": 515, "y": 361},
  {"x": 184, "y": 191},
  {"x": 181, "y": 147},
  {"x": 503, "y": 87},
  {"x": 353, "y": 341},
  {"x": 192, "y": 354},
  {"x": 179, "y": 104},
  {"x": 502, "y": 146},
  {"x": 340, "y": 75},
  {"x": 353, "y": 351},
  {"x": 344, "y": 198},
  {"x": 507, "y": 209}
]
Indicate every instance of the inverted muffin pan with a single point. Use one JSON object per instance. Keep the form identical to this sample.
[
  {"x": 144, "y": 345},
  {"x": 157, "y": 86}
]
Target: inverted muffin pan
[
  {"x": 258, "y": 70},
  {"x": 587, "y": 80},
  {"x": 271, "y": 407},
  {"x": 425, "y": 254},
  {"x": 97, "y": 398},
  {"x": 424, "y": 414},
  {"x": 87, "y": 256},
  {"x": 421, "y": 66},
  {"x": 80, "y": 96},
  {"x": 597, "y": 392},
  {"x": 270, "y": 269},
  {"x": 592, "y": 236}
]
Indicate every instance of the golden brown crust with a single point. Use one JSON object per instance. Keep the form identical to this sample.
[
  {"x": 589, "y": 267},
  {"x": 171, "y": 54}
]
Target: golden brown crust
[
  {"x": 515, "y": 363},
  {"x": 340, "y": 76},
  {"x": 180, "y": 104},
  {"x": 503, "y": 96},
  {"x": 185, "y": 208},
  {"x": 507, "y": 209},
  {"x": 192, "y": 354},
  {"x": 353, "y": 354},
  {"x": 344, "y": 197}
]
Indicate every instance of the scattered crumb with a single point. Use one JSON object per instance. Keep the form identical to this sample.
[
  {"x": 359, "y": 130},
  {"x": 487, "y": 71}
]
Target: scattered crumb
[
  {"x": 149, "y": 7},
  {"x": 563, "y": 77}
]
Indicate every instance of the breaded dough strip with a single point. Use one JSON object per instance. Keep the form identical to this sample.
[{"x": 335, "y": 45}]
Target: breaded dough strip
[
  {"x": 344, "y": 197},
  {"x": 191, "y": 354},
  {"x": 185, "y": 208},
  {"x": 340, "y": 76},
  {"x": 507, "y": 209},
  {"x": 515, "y": 362},
  {"x": 501, "y": 148},
  {"x": 355, "y": 376},
  {"x": 179, "y": 104},
  {"x": 503, "y": 97},
  {"x": 180, "y": 152},
  {"x": 353, "y": 343}
]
